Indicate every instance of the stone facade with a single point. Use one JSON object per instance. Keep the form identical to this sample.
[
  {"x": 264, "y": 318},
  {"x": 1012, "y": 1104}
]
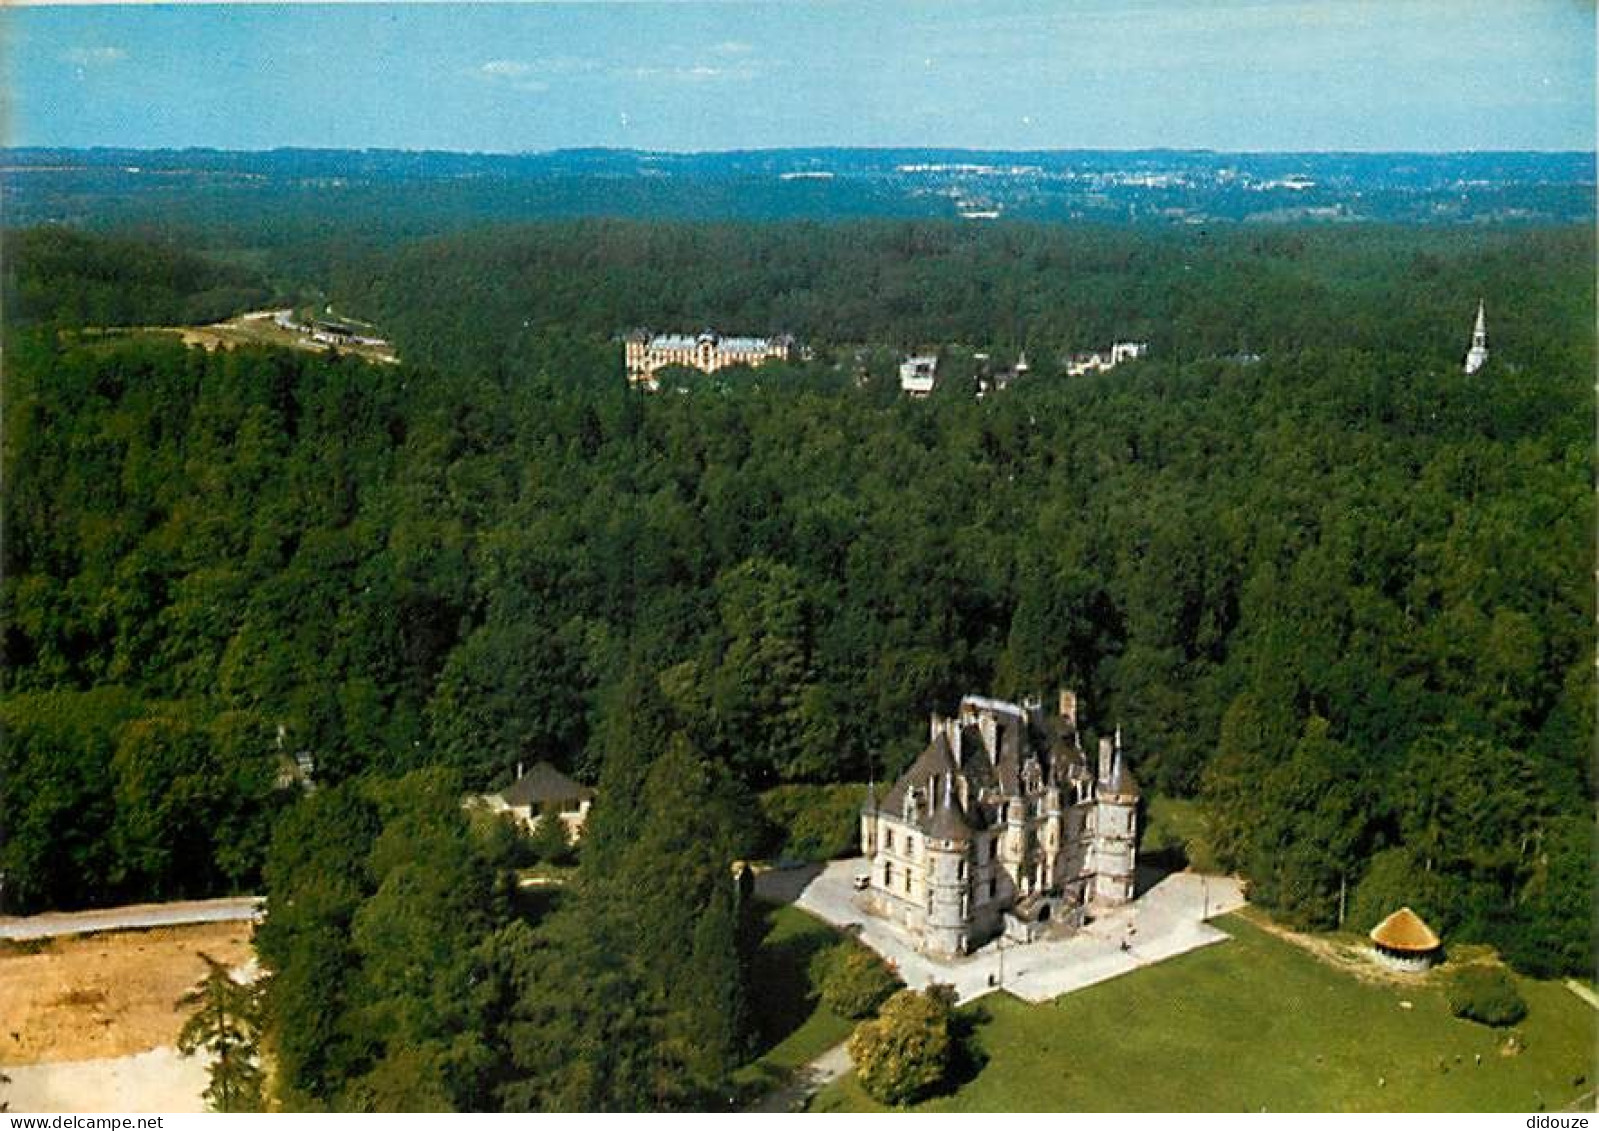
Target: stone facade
[
  {"x": 1001, "y": 825},
  {"x": 646, "y": 353}
]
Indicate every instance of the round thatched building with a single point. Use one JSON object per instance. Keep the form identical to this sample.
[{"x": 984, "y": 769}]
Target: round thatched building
[{"x": 1404, "y": 942}]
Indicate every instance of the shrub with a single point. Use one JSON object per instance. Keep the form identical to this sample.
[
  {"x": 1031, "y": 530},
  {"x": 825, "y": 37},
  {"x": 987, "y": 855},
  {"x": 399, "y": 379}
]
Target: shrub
[
  {"x": 853, "y": 981},
  {"x": 1485, "y": 994},
  {"x": 905, "y": 1052},
  {"x": 549, "y": 840}
]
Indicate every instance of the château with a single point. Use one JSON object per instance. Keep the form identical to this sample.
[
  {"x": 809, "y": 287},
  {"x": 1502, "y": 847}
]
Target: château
[{"x": 1001, "y": 825}]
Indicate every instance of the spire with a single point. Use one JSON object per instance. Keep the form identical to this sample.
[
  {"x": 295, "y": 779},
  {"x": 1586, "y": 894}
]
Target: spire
[{"x": 1477, "y": 356}]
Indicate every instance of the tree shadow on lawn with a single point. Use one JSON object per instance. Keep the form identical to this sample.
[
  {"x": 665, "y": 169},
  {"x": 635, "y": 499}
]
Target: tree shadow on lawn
[
  {"x": 968, "y": 1058},
  {"x": 781, "y": 995}
]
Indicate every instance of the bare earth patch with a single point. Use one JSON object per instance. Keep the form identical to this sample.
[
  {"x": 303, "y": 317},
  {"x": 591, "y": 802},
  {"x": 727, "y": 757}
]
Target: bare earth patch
[
  {"x": 258, "y": 328},
  {"x": 91, "y": 997},
  {"x": 1351, "y": 956}
]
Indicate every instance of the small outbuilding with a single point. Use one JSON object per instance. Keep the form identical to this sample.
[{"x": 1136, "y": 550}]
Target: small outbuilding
[
  {"x": 1403, "y": 941},
  {"x": 540, "y": 791}
]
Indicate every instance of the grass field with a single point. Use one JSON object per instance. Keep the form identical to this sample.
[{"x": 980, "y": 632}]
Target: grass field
[
  {"x": 1258, "y": 1023},
  {"x": 793, "y": 1027}
]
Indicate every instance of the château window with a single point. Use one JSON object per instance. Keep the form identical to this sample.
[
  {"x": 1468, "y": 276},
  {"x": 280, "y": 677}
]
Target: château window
[
  {"x": 888, "y": 876},
  {"x": 993, "y": 887},
  {"x": 907, "y": 881},
  {"x": 910, "y": 846},
  {"x": 888, "y": 839}
]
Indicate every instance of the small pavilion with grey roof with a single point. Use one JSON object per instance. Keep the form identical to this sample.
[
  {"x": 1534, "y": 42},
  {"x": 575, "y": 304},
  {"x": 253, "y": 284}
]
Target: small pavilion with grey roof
[{"x": 543, "y": 790}]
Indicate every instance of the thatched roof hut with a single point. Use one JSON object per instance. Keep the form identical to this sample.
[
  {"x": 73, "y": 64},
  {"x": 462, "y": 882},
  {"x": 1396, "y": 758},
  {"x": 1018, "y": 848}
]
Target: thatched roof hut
[{"x": 1404, "y": 940}]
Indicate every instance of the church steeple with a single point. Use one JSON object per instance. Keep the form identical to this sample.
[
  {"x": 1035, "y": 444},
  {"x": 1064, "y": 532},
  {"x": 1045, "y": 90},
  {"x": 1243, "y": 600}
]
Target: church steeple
[{"x": 1477, "y": 356}]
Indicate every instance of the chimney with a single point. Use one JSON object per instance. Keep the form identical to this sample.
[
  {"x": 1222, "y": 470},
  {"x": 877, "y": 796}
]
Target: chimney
[
  {"x": 518, "y": 770},
  {"x": 1068, "y": 706},
  {"x": 988, "y": 726},
  {"x": 1105, "y": 752}
]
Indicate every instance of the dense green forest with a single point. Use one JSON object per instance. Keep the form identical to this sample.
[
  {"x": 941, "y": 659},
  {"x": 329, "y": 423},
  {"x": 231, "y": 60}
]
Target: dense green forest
[{"x": 1324, "y": 582}]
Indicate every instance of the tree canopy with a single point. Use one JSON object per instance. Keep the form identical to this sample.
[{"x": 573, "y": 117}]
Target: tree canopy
[{"x": 1324, "y": 581}]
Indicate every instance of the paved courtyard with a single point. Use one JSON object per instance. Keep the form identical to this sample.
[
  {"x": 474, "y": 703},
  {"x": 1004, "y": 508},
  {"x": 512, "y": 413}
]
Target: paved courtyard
[{"x": 1168, "y": 919}]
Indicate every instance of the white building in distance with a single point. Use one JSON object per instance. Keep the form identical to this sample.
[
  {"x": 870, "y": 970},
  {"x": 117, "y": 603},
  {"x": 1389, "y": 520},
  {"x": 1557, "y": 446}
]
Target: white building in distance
[
  {"x": 647, "y": 353},
  {"x": 1100, "y": 361},
  {"x": 918, "y": 375}
]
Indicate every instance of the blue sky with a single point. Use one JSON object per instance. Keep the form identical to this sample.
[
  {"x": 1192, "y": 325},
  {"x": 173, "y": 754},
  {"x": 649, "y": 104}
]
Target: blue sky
[{"x": 1113, "y": 74}]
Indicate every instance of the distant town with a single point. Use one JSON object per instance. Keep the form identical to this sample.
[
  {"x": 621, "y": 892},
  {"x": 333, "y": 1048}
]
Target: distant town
[{"x": 1166, "y": 187}]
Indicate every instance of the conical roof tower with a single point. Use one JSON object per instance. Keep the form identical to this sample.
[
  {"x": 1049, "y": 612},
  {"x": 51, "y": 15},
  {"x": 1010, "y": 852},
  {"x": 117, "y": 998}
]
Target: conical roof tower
[{"x": 1477, "y": 356}]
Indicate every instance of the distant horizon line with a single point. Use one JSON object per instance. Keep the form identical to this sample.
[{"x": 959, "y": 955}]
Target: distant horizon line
[{"x": 798, "y": 149}]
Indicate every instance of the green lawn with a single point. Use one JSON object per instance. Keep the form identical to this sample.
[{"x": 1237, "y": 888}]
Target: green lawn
[
  {"x": 793, "y": 1028},
  {"x": 1258, "y": 1023}
]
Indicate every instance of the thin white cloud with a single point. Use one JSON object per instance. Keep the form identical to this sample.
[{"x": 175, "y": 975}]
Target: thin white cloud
[
  {"x": 95, "y": 56},
  {"x": 532, "y": 75},
  {"x": 504, "y": 68},
  {"x": 732, "y": 47},
  {"x": 512, "y": 74},
  {"x": 742, "y": 70}
]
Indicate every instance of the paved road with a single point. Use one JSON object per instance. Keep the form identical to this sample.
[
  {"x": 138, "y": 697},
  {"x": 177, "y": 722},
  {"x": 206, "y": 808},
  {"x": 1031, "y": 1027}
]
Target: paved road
[
  {"x": 136, "y": 917},
  {"x": 1167, "y": 920}
]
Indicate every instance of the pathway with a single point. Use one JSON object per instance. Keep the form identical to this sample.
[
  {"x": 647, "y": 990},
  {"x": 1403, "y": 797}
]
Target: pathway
[
  {"x": 807, "y": 1081},
  {"x": 1583, "y": 992},
  {"x": 1167, "y": 920}
]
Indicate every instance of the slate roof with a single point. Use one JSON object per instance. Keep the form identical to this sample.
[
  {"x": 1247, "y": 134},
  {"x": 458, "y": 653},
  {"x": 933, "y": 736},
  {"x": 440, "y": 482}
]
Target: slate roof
[
  {"x": 949, "y": 822},
  {"x": 932, "y": 763},
  {"x": 1122, "y": 783},
  {"x": 1050, "y": 744},
  {"x": 544, "y": 784}
]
